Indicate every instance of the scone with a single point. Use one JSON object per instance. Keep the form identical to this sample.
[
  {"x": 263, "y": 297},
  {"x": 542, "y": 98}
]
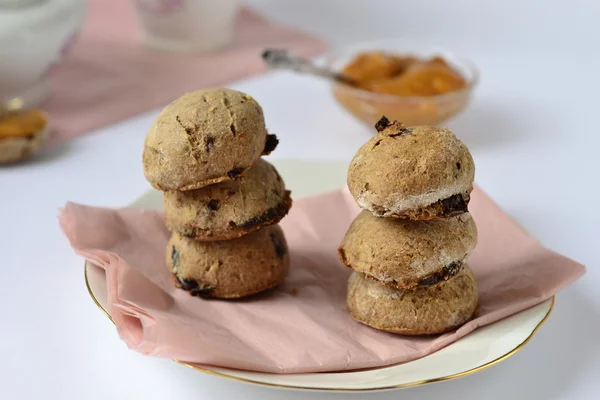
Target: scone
[
  {"x": 424, "y": 310},
  {"x": 229, "y": 268},
  {"x": 22, "y": 134},
  {"x": 403, "y": 253},
  {"x": 205, "y": 137},
  {"x": 229, "y": 209},
  {"x": 420, "y": 172}
]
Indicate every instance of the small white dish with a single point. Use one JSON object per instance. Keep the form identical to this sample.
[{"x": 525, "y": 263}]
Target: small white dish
[
  {"x": 187, "y": 25},
  {"x": 369, "y": 106},
  {"x": 479, "y": 350}
]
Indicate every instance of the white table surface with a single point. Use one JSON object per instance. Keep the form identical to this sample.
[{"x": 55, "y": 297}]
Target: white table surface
[{"x": 532, "y": 129}]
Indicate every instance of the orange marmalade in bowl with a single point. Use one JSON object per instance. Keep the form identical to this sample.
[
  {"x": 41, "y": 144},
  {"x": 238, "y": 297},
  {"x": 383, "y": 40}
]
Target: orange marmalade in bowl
[{"x": 407, "y": 88}]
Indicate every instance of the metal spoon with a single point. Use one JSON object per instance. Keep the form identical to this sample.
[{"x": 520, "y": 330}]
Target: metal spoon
[{"x": 280, "y": 59}]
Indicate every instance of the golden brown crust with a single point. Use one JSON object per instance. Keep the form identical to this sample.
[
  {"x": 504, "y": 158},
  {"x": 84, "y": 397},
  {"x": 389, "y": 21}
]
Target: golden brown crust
[
  {"x": 404, "y": 253},
  {"x": 425, "y": 310},
  {"x": 446, "y": 208},
  {"x": 229, "y": 209},
  {"x": 407, "y": 172},
  {"x": 271, "y": 216},
  {"x": 447, "y": 272},
  {"x": 18, "y": 147},
  {"x": 200, "y": 184},
  {"x": 22, "y": 124},
  {"x": 195, "y": 289},
  {"x": 203, "y": 138},
  {"x": 230, "y": 268}
]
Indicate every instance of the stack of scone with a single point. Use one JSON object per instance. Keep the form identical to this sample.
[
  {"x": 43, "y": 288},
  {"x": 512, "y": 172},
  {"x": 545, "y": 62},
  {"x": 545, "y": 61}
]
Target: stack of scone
[
  {"x": 221, "y": 200},
  {"x": 409, "y": 246}
]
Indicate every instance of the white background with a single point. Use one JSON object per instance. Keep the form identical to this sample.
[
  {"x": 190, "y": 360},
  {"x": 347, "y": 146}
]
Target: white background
[{"x": 533, "y": 131}]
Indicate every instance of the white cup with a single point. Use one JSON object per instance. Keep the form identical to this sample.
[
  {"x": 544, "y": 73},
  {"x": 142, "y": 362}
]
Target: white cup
[
  {"x": 33, "y": 40},
  {"x": 187, "y": 25}
]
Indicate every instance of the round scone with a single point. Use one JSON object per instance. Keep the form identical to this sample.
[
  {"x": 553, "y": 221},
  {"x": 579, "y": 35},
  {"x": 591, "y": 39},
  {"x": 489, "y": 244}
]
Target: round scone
[
  {"x": 22, "y": 134},
  {"x": 403, "y": 253},
  {"x": 425, "y": 310},
  {"x": 229, "y": 209},
  {"x": 205, "y": 137},
  {"x": 419, "y": 172},
  {"x": 229, "y": 268}
]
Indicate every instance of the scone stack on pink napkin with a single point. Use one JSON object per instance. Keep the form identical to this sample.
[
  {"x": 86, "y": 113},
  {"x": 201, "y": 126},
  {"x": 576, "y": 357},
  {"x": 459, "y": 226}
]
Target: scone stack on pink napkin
[
  {"x": 222, "y": 201},
  {"x": 409, "y": 246},
  {"x": 303, "y": 325}
]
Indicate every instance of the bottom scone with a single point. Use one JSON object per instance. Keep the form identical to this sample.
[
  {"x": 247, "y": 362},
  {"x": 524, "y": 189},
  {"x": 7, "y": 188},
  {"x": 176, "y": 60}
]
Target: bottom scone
[
  {"x": 229, "y": 268},
  {"x": 424, "y": 310}
]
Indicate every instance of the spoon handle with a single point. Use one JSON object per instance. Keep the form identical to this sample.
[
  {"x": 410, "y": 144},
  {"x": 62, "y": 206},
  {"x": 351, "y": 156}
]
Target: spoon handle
[{"x": 280, "y": 59}]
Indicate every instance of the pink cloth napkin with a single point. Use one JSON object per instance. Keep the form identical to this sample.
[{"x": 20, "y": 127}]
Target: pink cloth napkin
[
  {"x": 303, "y": 325},
  {"x": 109, "y": 75}
]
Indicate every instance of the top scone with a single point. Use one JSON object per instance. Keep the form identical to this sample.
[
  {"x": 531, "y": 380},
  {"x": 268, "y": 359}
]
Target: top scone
[
  {"x": 205, "y": 137},
  {"x": 418, "y": 173}
]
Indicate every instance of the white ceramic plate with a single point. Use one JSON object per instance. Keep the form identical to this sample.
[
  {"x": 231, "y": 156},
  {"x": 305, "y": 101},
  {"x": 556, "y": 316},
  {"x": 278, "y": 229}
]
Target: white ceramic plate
[{"x": 479, "y": 350}]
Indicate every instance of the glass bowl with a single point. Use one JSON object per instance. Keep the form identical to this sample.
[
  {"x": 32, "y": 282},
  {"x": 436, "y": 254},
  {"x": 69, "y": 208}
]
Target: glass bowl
[{"x": 368, "y": 106}]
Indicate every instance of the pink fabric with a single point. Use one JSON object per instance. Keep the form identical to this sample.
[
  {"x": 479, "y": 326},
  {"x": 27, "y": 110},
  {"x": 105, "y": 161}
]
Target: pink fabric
[
  {"x": 109, "y": 75},
  {"x": 283, "y": 331}
]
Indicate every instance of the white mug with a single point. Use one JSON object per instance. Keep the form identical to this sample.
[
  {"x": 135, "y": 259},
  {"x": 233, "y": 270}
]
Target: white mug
[
  {"x": 33, "y": 39},
  {"x": 187, "y": 25}
]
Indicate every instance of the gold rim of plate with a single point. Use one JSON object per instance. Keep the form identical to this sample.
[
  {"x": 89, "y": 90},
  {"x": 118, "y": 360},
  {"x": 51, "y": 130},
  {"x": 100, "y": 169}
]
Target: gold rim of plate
[{"x": 403, "y": 385}]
